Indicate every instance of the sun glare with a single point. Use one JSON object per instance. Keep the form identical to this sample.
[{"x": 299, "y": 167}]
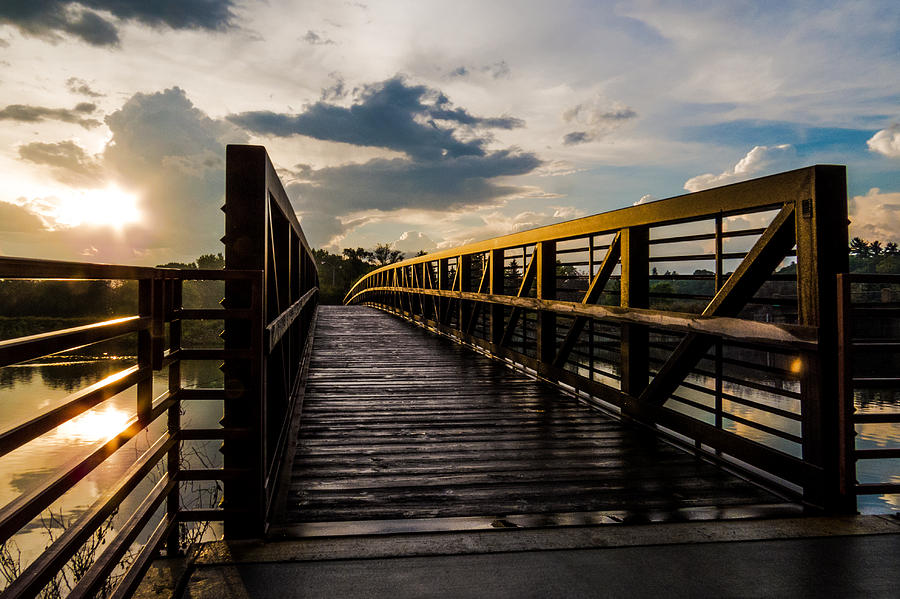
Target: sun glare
[
  {"x": 95, "y": 425},
  {"x": 110, "y": 207}
]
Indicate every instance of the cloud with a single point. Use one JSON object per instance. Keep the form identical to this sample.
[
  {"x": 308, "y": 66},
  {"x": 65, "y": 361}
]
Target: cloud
[
  {"x": 757, "y": 161},
  {"x": 24, "y": 113},
  {"x": 389, "y": 114},
  {"x": 596, "y": 119},
  {"x": 88, "y": 20},
  {"x": 496, "y": 70},
  {"x": 17, "y": 219},
  {"x": 315, "y": 39},
  {"x": 886, "y": 142},
  {"x": 383, "y": 184},
  {"x": 447, "y": 165},
  {"x": 163, "y": 151},
  {"x": 411, "y": 242},
  {"x": 80, "y": 86},
  {"x": 69, "y": 162},
  {"x": 644, "y": 199},
  {"x": 875, "y": 215},
  {"x": 172, "y": 154},
  {"x": 493, "y": 223}
]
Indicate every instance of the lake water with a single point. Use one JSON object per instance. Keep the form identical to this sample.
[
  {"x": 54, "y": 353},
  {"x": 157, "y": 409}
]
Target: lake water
[{"x": 30, "y": 389}]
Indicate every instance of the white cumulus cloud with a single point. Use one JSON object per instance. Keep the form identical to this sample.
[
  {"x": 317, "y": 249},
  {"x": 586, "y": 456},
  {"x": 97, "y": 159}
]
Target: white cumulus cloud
[
  {"x": 875, "y": 215},
  {"x": 757, "y": 162},
  {"x": 886, "y": 142}
]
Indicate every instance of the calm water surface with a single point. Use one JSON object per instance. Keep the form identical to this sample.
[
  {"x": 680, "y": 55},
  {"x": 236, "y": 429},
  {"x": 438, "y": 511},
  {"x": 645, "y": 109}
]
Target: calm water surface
[{"x": 29, "y": 389}]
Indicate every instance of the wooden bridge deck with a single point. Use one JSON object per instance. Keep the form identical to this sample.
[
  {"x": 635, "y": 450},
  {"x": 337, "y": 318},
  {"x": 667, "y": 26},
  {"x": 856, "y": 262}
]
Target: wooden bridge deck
[{"x": 400, "y": 424}]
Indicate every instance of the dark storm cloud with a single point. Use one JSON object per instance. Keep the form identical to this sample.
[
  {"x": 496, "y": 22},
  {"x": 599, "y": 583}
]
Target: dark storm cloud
[
  {"x": 69, "y": 162},
  {"x": 81, "y": 18},
  {"x": 387, "y": 185},
  {"x": 33, "y": 114},
  {"x": 390, "y": 114},
  {"x": 81, "y": 87},
  {"x": 447, "y": 163}
]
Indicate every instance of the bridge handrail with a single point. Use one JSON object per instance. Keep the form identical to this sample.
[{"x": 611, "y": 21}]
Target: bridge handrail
[
  {"x": 271, "y": 292},
  {"x": 159, "y": 305},
  {"x": 466, "y": 293},
  {"x": 858, "y": 341}
]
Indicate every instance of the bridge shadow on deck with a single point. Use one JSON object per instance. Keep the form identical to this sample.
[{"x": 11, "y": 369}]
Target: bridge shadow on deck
[{"x": 398, "y": 423}]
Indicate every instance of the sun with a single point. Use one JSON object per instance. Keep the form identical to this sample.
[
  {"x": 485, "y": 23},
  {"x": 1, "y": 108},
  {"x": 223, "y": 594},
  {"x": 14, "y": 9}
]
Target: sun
[{"x": 109, "y": 207}]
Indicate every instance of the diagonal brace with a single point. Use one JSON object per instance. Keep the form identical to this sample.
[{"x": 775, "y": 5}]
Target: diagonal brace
[
  {"x": 524, "y": 287},
  {"x": 473, "y": 317},
  {"x": 591, "y": 296},
  {"x": 768, "y": 251}
]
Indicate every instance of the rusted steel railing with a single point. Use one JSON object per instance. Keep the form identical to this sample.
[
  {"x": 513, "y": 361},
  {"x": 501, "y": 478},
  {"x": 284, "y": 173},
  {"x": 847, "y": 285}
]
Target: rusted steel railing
[
  {"x": 271, "y": 285},
  {"x": 683, "y": 314},
  {"x": 869, "y": 333}
]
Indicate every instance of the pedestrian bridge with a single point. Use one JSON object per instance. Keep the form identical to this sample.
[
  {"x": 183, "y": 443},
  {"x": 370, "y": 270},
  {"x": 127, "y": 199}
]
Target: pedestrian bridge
[{"x": 689, "y": 359}]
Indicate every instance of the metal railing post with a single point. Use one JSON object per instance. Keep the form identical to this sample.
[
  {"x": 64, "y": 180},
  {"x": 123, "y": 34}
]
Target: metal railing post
[
  {"x": 821, "y": 234},
  {"x": 634, "y": 287}
]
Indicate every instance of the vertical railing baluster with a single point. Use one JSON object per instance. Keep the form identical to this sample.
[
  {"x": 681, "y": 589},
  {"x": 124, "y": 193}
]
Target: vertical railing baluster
[
  {"x": 145, "y": 350},
  {"x": 496, "y": 283},
  {"x": 173, "y": 459},
  {"x": 546, "y": 290},
  {"x": 634, "y": 293},
  {"x": 717, "y": 284}
]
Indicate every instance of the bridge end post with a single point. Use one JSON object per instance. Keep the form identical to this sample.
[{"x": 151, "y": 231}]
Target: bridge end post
[
  {"x": 822, "y": 241},
  {"x": 245, "y": 249}
]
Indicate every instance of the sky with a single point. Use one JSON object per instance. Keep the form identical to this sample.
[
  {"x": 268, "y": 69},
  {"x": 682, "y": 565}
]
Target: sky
[{"x": 426, "y": 124}]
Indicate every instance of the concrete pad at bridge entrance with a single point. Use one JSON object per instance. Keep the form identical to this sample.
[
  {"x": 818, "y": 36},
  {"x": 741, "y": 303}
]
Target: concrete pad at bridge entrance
[{"x": 844, "y": 557}]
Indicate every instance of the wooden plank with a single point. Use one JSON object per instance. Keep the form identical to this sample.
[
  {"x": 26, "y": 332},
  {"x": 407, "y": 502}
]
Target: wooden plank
[{"x": 398, "y": 423}]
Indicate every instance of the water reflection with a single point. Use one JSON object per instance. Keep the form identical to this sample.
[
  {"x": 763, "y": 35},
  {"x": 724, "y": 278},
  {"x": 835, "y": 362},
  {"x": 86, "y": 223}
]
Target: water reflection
[
  {"x": 95, "y": 425},
  {"x": 30, "y": 389}
]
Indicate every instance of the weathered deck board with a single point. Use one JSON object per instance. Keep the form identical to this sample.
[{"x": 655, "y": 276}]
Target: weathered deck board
[{"x": 398, "y": 423}]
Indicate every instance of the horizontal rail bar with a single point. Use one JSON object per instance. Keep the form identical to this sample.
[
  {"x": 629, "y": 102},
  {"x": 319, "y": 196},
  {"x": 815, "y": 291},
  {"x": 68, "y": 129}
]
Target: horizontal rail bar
[
  {"x": 141, "y": 564},
  {"x": 23, "y": 349},
  {"x": 12, "y": 267},
  {"x": 27, "y": 506},
  {"x": 877, "y": 454},
  {"x": 73, "y": 405},
  {"x": 32, "y": 268},
  {"x": 278, "y": 327},
  {"x": 876, "y": 382},
  {"x": 44, "y": 568},
  {"x": 763, "y": 333},
  {"x": 877, "y": 488},
  {"x": 881, "y": 418},
  {"x": 204, "y": 393},
  {"x": 106, "y": 562}
]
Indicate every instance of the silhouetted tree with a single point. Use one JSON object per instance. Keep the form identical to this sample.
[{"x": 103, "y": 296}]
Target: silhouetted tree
[
  {"x": 385, "y": 254},
  {"x": 860, "y": 247}
]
